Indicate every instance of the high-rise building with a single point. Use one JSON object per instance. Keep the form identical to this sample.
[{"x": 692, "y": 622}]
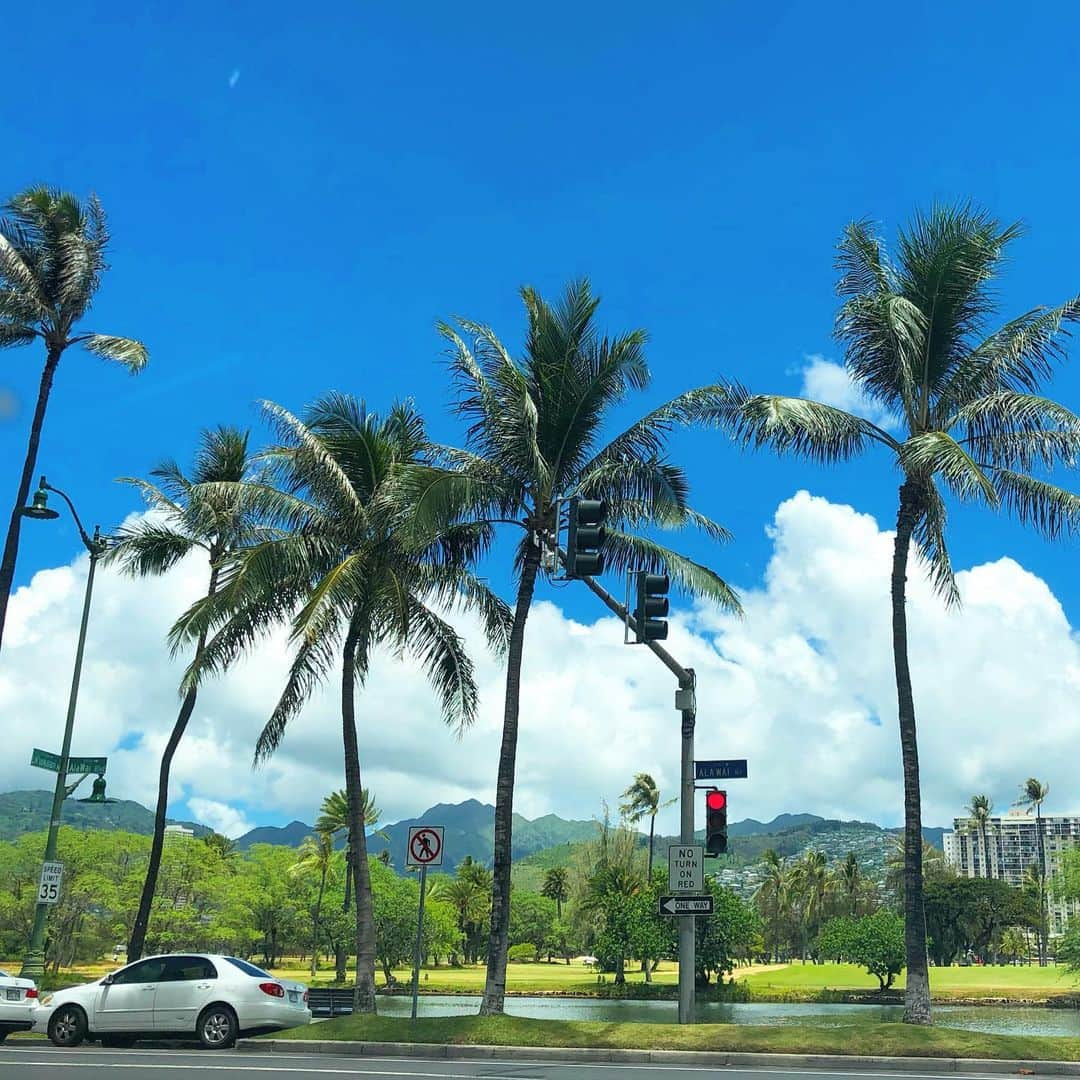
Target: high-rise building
[
  {"x": 178, "y": 832},
  {"x": 1013, "y": 843}
]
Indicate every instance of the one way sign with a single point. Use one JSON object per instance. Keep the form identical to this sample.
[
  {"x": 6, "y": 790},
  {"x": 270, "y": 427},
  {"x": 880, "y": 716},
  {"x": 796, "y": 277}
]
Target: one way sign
[{"x": 686, "y": 905}]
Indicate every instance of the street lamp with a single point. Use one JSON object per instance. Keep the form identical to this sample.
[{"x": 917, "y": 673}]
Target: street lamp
[{"x": 34, "y": 964}]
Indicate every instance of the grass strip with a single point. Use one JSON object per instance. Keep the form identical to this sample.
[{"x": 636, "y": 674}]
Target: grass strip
[{"x": 823, "y": 1036}]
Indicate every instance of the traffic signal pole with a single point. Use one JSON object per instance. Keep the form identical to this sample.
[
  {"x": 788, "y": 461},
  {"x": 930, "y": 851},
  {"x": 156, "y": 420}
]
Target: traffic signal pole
[{"x": 685, "y": 702}]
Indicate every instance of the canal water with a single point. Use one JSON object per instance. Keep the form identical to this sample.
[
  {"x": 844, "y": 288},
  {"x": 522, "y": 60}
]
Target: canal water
[{"x": 998, "y": 1019}]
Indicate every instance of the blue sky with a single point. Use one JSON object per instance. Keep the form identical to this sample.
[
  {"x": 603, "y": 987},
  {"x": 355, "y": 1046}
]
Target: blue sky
[{"x": 296, "y": 196}]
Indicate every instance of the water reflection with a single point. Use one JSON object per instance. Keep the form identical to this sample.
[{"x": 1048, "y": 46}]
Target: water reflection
[{"x": 996, "y": 1019}]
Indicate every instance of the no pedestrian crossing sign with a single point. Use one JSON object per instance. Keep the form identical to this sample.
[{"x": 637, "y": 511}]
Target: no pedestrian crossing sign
[
  {"x": 686, "y": 867},
  {"x": 425, "y": 846},
  {"x": 52, "y": 873}
]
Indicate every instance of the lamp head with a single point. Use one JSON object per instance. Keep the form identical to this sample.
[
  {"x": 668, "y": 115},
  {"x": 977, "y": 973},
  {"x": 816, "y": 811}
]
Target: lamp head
[{"x": 39, "y": 508}]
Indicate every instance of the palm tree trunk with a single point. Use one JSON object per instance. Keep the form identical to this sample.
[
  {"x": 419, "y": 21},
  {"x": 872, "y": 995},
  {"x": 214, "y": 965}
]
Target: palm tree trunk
[
  {"x": 495, "y": 981},
  {"x": 1042, "y": 885},
  {"x": 917, "y": 995},
  {"x": 986, "y": 849},
  {"x": 364, "y": 989},
  {"x": 146, "y": 901},
  {"x": 652, "y": 827},
  {"x": 315, "y": 922},
  {"x": 11, "y": 545}
]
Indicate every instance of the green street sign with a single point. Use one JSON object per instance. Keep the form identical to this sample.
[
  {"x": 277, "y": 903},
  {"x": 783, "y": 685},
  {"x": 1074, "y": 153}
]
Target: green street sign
[
  {"x": 42, "y": 759},
  {"x": 86, "y": 764}
]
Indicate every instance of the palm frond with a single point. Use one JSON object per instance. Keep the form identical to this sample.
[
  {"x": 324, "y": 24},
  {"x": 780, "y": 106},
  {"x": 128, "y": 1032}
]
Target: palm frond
[
  {"x": 930, "y": 538},
  {"x": 935, "y": 453},
  {"x": 19, "y": 276},
  {"x": 132, "y": 354},
  {"x": 792, "y": 425},
  {"x": 441, "y": 653},
  {"x": 12, "y": 334},
  {"x": 623, "y": 552},
  {"x": 146, "y": 549},
  {"x": 1051, "y": 510}
]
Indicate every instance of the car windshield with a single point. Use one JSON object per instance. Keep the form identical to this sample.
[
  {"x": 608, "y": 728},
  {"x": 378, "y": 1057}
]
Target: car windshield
[
  {"x": 4, "y": 975},
  {"x": 249, "y": 969}
]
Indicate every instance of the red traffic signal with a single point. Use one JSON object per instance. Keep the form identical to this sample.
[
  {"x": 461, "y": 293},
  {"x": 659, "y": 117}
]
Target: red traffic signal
[
  {"x": 715, "y": 822},
  {"x": 716, "y": 800}
]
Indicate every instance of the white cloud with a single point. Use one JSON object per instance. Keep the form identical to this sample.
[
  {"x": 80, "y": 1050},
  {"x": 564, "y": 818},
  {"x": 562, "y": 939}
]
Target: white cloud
[
  {"x": 828, "y": 382},
  {"x": 221, "y": 817},
  {"x": 802, "y": 687}
]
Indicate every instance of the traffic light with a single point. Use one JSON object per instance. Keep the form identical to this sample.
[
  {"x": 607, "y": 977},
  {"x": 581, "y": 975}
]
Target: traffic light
[
  {"x": 652, "y": 606},
  {"x": 715, "y": 822},
  {"x": 585, "y": 537}
]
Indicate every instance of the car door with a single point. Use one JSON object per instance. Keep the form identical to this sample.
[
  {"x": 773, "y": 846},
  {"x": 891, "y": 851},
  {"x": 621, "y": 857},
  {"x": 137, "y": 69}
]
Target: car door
[
  {"x": 125, "y": 1001},
  {"x": 186, "y": 985}
]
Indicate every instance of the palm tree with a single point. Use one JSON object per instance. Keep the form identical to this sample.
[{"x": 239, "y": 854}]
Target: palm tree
[
  {"x": 187, "y": 514},
  {"x": 557, "y": 887},
  {"x": 967, "y": 415},
  {"x": 981, "y": 808},
  {"x": 469, "y": 895},
  {"x": 933, "y": 865},
  {"x": 347, "y": 578},
  {"x": 772, "y": 897},
  {"x": 334, "y": 818},
  {"x": 1033, "y": 794},
  {"x": 533, "y": 441},
  {"x": 225, "y": 846},
  {"x": 643, "y": 798},
  {"x": 848, "y": 882},
  {"x": 810, "y": 883},
  {"x": 52, "y": 256},
  {"x": 315, "y": 855}
]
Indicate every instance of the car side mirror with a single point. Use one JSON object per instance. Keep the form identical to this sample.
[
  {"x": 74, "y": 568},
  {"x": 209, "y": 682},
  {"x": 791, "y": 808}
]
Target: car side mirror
[{"x": 107, "y": 981}]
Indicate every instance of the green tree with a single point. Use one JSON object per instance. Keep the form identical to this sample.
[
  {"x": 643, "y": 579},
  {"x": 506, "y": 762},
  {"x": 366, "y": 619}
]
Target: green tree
[
  {"x": 917, "y": 344},
  {"x": 809, "y": 890},
  {"x": 334, "y": 818},
  {"x": 1033, "y": 794},
  {"x": 315, "y": 857},
  {"x": 532, "y": 918},
  {"x": 643, "y": 800},
  {"x": 348, "y": 579},
  {"x": 877, "y": 944},
  {"x": 469, "y": 896},
  {"x": 204, "y": 512},
  {"x": 981, "y": 808},
  {"x": 557, "y": 887},
  {"x": 396, "y": 903},
  {"x": 773, "y": 901},
  {"x": 725, "y": 937},
  {"x": 1013, "y": 944},
  {"x": 533, "y": 441},
  {"x": 850, "y": 887},
  {"x": 52, "y": 256}
]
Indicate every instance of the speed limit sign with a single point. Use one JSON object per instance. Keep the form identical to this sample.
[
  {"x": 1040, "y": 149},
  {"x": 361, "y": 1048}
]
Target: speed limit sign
[{"x": 52, "y": 874}]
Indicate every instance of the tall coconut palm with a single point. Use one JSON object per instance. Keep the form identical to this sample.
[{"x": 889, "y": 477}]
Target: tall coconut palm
[
  {"x": 967, "y": 415},
  {"x": 848, "y": 882},
  {"x": 643, "y": 799},
  {"x": 772, "y": 897},
  {"x": 204, "y": 511},
  {"x": 315, "y": 856},
  {"x": 347, "y": 578},
  {"x": 535, "y": 437},
  {"x": 1033, "y": 794},
  {"x": 334, "y": 818},
  {"x": 981, "y": 808},
  {"x": 52, "y": 256},
  {"x": 557, "y": 887},
  {"x": 810, "y": 886}
]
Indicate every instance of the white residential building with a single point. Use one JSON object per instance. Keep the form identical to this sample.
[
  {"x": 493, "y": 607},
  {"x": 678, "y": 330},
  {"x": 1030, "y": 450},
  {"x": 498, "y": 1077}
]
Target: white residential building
[
  {"x": 178, "y": 832},
  {"x": 1013, "y": 841}
]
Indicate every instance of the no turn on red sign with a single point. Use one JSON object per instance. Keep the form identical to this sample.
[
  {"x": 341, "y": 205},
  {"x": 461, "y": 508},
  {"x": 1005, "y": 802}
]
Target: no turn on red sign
[{"x": 425, "y": 846}]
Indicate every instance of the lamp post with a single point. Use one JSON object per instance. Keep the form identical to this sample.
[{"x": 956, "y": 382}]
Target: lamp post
[{"x": 34, "y": 964}]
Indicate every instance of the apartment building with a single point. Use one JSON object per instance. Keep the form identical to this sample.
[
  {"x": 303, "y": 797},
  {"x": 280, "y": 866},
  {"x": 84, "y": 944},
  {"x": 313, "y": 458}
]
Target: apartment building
[{"x": 1014, "y": 846}]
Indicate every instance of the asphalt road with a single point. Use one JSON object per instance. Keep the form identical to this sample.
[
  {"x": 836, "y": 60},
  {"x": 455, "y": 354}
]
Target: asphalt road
[{"x": 43, "y": 1062}]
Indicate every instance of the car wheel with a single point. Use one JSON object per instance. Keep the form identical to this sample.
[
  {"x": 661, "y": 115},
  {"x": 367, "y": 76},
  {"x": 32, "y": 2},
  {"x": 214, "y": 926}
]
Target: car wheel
[
  {"x": 217, "y": 1027},
  {"x": 67, "y": 1026},
  {"x": 117, "y": 1042}
]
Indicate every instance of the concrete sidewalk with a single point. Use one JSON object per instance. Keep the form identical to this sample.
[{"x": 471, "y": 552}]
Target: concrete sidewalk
[{"x": 716, "y": 1058}]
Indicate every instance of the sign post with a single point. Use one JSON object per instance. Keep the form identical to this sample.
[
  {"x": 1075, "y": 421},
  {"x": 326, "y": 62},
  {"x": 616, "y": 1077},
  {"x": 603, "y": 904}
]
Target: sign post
[{"x": 425, "y": 849}]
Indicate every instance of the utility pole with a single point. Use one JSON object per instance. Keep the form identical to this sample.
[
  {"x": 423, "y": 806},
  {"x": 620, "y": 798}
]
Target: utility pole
[{"x": 686, "y": 703}]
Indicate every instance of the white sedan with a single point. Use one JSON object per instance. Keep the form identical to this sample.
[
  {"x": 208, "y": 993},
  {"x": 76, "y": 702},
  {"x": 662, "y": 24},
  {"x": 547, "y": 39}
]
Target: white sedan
[
  {"x": 216, "y": 998},
  {"x": 18, "y": 1003}
]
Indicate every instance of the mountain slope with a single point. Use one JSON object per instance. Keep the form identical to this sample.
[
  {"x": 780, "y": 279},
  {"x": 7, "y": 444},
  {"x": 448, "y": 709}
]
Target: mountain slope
[{"x": 28, "y": 811}]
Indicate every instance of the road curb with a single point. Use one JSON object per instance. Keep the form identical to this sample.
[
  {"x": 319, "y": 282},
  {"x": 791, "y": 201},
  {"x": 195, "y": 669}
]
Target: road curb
[{"x": 586, "y": 1055}]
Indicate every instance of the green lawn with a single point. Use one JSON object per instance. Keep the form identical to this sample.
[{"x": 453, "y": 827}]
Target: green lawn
[
  {"x": 971, "y": 982},
  {"x": 847, "y": 1037}
]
